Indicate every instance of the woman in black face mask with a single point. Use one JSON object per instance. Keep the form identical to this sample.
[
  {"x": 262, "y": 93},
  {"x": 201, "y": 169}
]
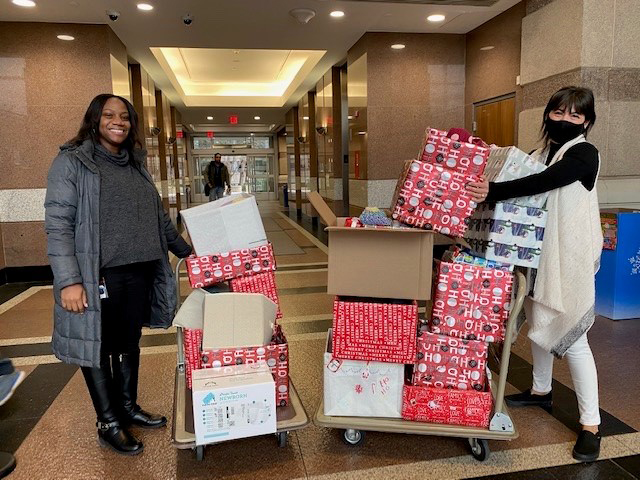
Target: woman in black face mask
[{"x": 560, "y": 307}]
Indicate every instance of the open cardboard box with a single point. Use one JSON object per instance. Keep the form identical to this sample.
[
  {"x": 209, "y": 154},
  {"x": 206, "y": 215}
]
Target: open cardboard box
[{"x": 377, "y": 262}]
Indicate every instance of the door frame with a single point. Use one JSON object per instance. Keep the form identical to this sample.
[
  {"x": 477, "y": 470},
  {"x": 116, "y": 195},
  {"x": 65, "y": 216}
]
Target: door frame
[{"x": 488, "y": 101}]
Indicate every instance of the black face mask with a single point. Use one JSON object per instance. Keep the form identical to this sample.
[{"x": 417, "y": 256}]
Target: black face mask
[{"x": 561, "y": 131}]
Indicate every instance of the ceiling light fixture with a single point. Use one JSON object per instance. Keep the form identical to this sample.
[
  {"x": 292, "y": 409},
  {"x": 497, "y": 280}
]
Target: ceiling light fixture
[
  {"x": 252, "y": 134},
  {"x": 209, "y": 117},
  {"x": 302, "y": 15},
  {"x": 145, "y": 7},
  {"x": 256, "y": 117},
  {"x": 24, "y": 3},
  {"x": 397, "y": 46},
  {"x": 488, "y": 47},
  {"x": 350, "y": 117},
  {"x": 66, "y": 37},
  {"x": 436, "y": 18},
  {"x": 337, "y": 14},
  {"x": 305, "y": 118},
  {"x": 362, "y": 133}
]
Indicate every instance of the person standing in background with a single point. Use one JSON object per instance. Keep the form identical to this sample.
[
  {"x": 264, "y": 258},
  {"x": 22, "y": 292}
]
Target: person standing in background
[{"x": 217, "y": 175}]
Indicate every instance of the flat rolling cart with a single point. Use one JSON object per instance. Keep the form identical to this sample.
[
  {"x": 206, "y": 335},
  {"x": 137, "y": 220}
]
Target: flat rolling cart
[
  {"x": 500, "y": 427},
  {"x": 288, "y": 419}
]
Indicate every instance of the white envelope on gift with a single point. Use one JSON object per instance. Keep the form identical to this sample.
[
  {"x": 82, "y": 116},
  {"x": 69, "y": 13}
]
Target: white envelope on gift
[{"x": 355, "y": 388}]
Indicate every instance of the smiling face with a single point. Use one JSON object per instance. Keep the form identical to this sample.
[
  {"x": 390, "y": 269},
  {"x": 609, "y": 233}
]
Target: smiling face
[
  {"x": 567, "y": 114},
  {"x": 114, "y": 124}
]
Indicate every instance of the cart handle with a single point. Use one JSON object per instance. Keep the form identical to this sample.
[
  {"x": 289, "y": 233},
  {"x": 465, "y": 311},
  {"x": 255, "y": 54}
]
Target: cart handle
[
  {"x": 179, "y": 332},
  {"x": 508, "y": 339}
]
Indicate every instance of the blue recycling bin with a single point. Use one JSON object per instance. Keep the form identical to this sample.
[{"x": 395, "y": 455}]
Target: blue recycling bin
[{"x": 618, "y": 281}]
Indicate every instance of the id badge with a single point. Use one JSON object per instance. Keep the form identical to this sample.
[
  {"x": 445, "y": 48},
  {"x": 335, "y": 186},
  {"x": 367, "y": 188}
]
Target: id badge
[{"x": 102, "y": 289}]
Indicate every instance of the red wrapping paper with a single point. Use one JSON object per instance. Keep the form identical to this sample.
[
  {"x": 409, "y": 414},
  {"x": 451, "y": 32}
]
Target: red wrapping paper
[
  {"x": 192, "y": 343},
  {"x": 434, "y": 198},
  {"x": 226, "y": 266},
  {"x": 462, "y": 157},
  {"x": 264, "y": 283},
  {"x": 379, "y": 332},
  {"x": 447, "y": 406},
  {"x": 471, "y": 302},
  {"x": 448, "y": 362}
]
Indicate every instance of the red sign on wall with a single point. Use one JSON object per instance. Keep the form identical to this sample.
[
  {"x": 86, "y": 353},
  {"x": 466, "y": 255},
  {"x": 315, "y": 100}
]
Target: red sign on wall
[
  {"x": 179, "y": 134},
  {"x": 233, "y": 119},
  {"x": 209, "y": 134}
]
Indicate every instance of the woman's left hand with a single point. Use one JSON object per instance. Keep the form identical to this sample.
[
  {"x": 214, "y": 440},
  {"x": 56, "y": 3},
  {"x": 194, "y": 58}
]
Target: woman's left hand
[{"x": 478, "y": 190}]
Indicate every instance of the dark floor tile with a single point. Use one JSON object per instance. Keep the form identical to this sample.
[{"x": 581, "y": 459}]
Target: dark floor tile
[
  {"x": 601, "y": 470},
  {"x": 540, "y": 474},
  {"x": 13, "y": 432},
  {"x": 629, "y": 464},
  {"x": 10, "y": 290}
]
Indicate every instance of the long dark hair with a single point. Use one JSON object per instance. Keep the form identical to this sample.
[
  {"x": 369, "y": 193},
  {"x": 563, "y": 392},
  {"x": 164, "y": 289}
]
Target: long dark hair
[
  {"x": 579, "y": 98},
  {"x": 89, "y": 129}
]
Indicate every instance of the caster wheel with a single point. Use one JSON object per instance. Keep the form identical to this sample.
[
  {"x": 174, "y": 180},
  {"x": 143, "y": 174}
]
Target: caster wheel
[
  {"x": 200, "y": 453},
  {"x": 479, "y": 449},
  {"x": 282, "y": 439},
  {"x": 353, "y": 437}
]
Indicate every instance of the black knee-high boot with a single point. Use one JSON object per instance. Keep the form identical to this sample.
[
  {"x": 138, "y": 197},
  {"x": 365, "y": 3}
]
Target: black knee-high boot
[
  {"x": 110, "y": 432},
  {"x": 125, "y": 375}
]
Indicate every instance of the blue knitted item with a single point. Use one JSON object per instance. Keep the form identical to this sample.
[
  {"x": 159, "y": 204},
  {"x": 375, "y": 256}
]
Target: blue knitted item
[{"x": 374, "y": 216}]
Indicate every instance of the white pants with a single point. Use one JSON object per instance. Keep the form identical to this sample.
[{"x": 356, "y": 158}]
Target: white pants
[{"x": 583, "y": 375}]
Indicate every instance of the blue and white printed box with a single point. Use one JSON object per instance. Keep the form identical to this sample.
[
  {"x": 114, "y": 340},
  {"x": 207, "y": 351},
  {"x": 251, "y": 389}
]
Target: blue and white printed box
[
  {"x": 233, "y": 402},
  {"x": 507, "y": 233}
]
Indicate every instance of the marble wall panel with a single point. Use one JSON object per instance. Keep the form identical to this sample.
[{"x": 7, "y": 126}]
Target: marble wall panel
[{"x": 25, "y": 244}]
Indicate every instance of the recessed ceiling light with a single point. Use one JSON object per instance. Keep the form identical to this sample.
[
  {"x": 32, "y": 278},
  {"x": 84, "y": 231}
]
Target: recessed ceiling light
[
  {"x": 362, "y": 133},
  {"x": 305, "y": 118},
  {"x": 66, "y": 37},
  {"x": 397, "y": 46},
  {"x": 209, "y": 117},
  {"x": 252, "y": 134},
  {"x": 488, "y": 47},
  {"x": 145, "y": 6},
  {"x": 24, "y": 3},
  {"x": 350, "y": 117},
  {"x": 256, "y": 117},
  {"x": 337, "y": 14},
  {"x": 436, "y": 18}
]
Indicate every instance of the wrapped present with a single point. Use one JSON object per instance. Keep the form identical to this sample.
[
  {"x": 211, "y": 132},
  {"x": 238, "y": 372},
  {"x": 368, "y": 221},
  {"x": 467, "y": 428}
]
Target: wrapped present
[
  {"x": 433, "y": 198},
  {"x": 511, "y": 163},
  {"x": 374, "y": 330},
  {"x": 192, "y": 344},
  {"x": 275, "y": 355},
  {"x": 353, "y": 222},
  {"x": 447, "y": 406},
  {"x": 264, "y": 283},
  {"x": 471, "y": 302},
  {"x": 507, "y": 233},
  {"x": 355, "y": 388},
  {"x": 462, "y": 157},
  {"x": 448, "y": 362},
  {"x": 458, "y": 255},
  {"x": 221, "y": 267},
  {"x": 609, "y": 224}
]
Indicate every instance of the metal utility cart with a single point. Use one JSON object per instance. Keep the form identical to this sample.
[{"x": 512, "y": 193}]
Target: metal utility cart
[
  {"x": 500, "y": 428},
  {"x": 290, "y": 418}
]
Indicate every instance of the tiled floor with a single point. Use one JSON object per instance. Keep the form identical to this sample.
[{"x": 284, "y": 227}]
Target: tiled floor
[{"x": 49, "y": 422}]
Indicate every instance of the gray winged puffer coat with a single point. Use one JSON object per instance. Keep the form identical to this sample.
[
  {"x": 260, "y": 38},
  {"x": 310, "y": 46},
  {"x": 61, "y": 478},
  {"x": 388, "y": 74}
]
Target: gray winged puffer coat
[{"x": 72, "y": 207}]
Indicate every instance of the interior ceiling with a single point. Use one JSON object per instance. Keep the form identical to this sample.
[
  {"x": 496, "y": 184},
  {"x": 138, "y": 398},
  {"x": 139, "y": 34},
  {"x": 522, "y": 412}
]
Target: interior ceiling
[{"x": 228, "y": 25}]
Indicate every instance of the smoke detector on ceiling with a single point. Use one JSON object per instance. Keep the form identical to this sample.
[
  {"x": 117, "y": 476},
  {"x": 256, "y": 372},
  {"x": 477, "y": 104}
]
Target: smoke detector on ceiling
[{"x": 302, "y": 15}]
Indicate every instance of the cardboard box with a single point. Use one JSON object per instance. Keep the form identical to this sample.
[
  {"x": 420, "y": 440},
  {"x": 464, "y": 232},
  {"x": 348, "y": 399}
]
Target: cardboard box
[
  {"x": 263, "y": 283},
  {"x": 376, "y": 262},
  {"x": 233, "y": 402},
  {"x": 434, "y": 198},
  {"x": 447, "y": 406},
  {"x": 231, "y": 223},
  {"x": 375, "y": 331},
  {"x": 211, "y": 269},
  {"x": 448, "y": 362},
  {"x": 471, "y": 302},
  {"x": 507, "y": 233},
  {"x": 275, "y": 355},
  {"x": 237, "y": 320},
  {"x": 354, "y": 388},
  {"x": 462, "y": 157},
  {"x": 511, "y": 163}
]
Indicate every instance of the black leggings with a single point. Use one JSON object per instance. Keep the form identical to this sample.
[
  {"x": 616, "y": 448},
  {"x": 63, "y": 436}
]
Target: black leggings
[{"x": 127, "y": 307}]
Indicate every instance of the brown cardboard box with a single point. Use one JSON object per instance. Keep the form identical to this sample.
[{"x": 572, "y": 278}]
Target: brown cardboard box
[
  {"x": 237, "y": 320},
  {"x": 376, "y": 262}
]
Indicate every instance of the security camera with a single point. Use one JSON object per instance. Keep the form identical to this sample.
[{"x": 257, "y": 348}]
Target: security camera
[
  {"x": 321, "y": 130},
  {"x": 187, "y": 19},
  {"x": 155, "y": 131},
  {"x": 113, "y": 15}
]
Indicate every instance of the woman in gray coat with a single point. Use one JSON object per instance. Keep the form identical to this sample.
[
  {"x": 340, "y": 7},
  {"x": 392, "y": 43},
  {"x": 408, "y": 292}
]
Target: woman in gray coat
[{"x": 108, "y": 237}]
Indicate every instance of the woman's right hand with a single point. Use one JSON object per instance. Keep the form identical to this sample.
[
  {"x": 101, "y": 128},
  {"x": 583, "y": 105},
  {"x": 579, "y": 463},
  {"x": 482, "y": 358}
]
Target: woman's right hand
[{"x": 74, "y": 298}]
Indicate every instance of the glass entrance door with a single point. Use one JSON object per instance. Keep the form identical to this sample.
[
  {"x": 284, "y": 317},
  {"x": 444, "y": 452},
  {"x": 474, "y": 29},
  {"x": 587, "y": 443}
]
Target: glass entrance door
[{"x": 260, "y": 176}]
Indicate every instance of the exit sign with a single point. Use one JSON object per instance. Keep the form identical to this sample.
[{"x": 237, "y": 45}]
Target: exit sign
[
  {"x": 233, "y": 119},
  {"x": 210, "y": 134}
]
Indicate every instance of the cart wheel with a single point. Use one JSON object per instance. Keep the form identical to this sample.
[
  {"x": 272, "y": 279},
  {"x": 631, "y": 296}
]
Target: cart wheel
[
  {"x": 479, "y": 449},
  {"x": 200, "y": 453},
  {"x": 282, "y": 439},
  {"x": 353, "y": 437}
]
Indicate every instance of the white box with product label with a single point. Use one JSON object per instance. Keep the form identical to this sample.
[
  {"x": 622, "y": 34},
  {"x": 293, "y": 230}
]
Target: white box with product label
[
  {"x": 233, "y": 402},
  {"x": 231, "y": 223}
]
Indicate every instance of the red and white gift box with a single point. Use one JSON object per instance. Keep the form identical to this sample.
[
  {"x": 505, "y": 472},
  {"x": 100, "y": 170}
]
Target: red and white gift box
[
  {"x": 264, "y": 283},
  {"x": 225, "y": 266},
  {"x": 463, "y": 157},
  {"x": 434, "y": 198},
  {"x": 447, "y": 406},
  {"x": 192, "y": 343},
  {"x": 448, "y": 362},
  {"x": 471, "y": 302},
  {"x": 372, "y": 331}
]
